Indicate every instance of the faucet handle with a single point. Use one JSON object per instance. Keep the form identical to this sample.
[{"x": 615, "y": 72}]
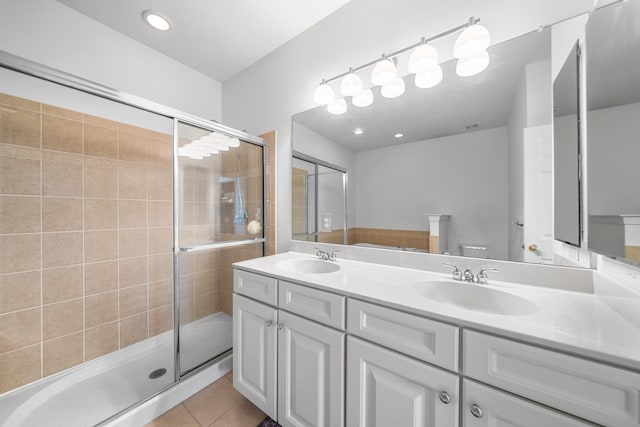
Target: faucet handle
[
  {"x": 482, "y": 277},
  {"x": 457, "y": 274},
  {"x": 332, "y": 256}
]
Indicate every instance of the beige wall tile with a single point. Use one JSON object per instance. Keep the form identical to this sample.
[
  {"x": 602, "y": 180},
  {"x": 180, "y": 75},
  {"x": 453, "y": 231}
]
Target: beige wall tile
[
  {"x": 100, "y": 214},
  {"x": 100, "y": 179},
  {"x": 132, "y": 214},
  {"x": 133, "y": 271},
  {"x": 160, "y": 267},
  {"x": 132, "y": 181},
  {"x": 100, "y": 246},
  {"x": 133, "y": 329},
  {"x": 160, "y": 240},
  {"x": 100, "y": 141},
  {"x": 19, "y": 176},
  {"x": 100, "y": 309},
  {"x": 100, "y": 277},
  {"x": 100, "y": 340},
  {"x": 160, "y": 293},
  {"x": 187, "y": 310},
  {"x": 132, "y": 148},
  {"x": 19, "y": 329},
  {"x": 19, "y": 127},
  {"x": 62, "y": 112},
  {"x": 62, "y": 178},
  {"x": 19, "y": 368},
  {"x": 23, "y": 103},
  {"x": 61, "y": 134},
  {"x": 160, "y": 185},
  {"x": 63, "y": 283},
  {"x": 160, "y": 214},
  {"x": 61, "y": 214},
  {"x": 160, "y": 320},
  {"x": 19, "y": 252},
  {"x": 202, "y": 283},
  {"x": 61, "y": 318},
  {"x": 124, "y": 127},
  {"x": 227, "y": 303},
  {"x": 19, "y": 214},
  {"x": 132, "y": 243},
  {"x": 161, "y": 152},
  {"x": 60, "y": 249},
  {"x": 99, "y": 121},
  {"x": 203, "y": 305},
  {"x": 62, "y": 353},
  {"x": 20, "y": 291},
  {"x": 133, "y": 300}
]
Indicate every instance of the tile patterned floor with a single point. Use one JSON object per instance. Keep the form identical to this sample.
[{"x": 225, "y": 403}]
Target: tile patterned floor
[{"x": 218, "y": 405}]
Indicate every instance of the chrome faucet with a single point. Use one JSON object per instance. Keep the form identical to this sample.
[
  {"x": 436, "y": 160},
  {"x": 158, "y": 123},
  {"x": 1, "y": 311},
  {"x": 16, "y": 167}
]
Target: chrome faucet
[
  {"x": 468, "y": 276},
  {"x": 481, "y": 277},
  {"x": 326, "y": 255},
  {"x": 457, "y": 274}
]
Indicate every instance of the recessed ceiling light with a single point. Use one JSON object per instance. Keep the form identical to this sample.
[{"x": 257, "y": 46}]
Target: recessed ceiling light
[
  {"x": 398, "y": 135},
  {"x": 358, "y": 131},
  {"x": 156, "y": 20}
]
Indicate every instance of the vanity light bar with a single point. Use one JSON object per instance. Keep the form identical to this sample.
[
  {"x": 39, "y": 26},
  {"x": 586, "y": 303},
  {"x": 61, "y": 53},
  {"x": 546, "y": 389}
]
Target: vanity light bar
[{"x": 423, "y": 40}]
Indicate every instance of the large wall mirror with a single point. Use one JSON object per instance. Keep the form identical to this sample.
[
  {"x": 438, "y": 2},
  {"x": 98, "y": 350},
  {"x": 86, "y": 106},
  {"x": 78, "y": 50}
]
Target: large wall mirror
[
  {"x": 456, "y": 168},
  {"x": 613, "y": 145}
]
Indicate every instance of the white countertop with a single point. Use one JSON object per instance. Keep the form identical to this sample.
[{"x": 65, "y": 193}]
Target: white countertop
[{"x": 575, "y": 322}]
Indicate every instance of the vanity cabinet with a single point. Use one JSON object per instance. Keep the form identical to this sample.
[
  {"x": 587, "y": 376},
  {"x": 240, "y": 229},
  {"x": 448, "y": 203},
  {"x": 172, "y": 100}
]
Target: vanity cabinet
[
  {"x": 385, "y": 388},
  {"x": 290, "y": 367}
]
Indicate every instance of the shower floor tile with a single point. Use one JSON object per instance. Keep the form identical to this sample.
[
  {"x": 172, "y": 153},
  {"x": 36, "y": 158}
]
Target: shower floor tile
[{"x": 217, "y": 405}]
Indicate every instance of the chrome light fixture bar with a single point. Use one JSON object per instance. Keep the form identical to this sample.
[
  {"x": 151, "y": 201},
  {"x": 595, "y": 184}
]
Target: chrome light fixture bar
[{"x": 470, "y": 50}]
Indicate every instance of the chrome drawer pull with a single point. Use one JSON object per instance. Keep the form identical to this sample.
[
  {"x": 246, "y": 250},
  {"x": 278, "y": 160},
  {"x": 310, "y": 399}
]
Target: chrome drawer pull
[
  {"x": 445, "y": 398},
  {"x": 476, "y": 411}
]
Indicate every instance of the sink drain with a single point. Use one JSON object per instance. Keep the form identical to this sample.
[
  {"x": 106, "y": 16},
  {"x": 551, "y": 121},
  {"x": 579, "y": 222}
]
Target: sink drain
[{"x": 157, "y": 373}]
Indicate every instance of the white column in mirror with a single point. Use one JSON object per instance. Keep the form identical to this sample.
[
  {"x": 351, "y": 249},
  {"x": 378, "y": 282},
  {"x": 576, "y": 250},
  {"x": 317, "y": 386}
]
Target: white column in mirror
[{"x": 438, "y": 233}]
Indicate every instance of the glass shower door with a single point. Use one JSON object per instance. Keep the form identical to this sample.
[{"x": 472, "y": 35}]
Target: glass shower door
[{"x": 220, "y": 205}]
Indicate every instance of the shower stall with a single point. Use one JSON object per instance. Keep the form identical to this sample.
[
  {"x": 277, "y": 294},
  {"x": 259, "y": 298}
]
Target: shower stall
[{"x": 119, "y": 222}]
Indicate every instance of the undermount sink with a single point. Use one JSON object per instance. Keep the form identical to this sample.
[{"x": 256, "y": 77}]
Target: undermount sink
[
  {"x": 313, "y": 266},
  {"x": 476, "y": 297}
]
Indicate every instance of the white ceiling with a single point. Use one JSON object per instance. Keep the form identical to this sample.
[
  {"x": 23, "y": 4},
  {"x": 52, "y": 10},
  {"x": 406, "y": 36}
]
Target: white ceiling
[
  {"x": 446, "y": 109},
  {"x": 216, "y": 37}
]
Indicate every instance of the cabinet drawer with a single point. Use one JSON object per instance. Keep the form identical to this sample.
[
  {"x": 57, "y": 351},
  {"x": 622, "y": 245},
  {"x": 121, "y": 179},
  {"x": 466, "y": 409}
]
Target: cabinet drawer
[
  {"x": 424, "y": 339},
  {"x": 590, "y": 390},
  {"x": 321, "y": 306},
  {"x": 498, "y": 408},
  {"x": 256, "y": 286}
]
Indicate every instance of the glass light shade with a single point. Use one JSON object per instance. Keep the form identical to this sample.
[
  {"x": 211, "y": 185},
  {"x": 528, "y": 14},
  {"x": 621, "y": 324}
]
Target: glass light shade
[
  {"x": 234, "y": 142},
  {"x": 472, "y": 65},
  {"x": 384, "y": 73},
  {"x": 324, "y": 95},
  {"x": 423, "y": 58},
  {"x": 156, "y": 20},
  {"x": 363, "y": 99},
  {"x": 351, "y": 85},
  {"x": 472, "y": 41},
  {"x": 430, "y": 78},
  {"x": 393, "y": 89},
  {"x": 339, "y": 106}
]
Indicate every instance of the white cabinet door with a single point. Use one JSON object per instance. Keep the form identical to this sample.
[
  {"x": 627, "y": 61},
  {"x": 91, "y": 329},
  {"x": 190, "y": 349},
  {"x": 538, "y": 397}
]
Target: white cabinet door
[
  {"x": 385, "y": 388},
  {"x": 254, "y": 352},
  {"x": 310, "y": 373},
  {"x": 488, "y": 407}
]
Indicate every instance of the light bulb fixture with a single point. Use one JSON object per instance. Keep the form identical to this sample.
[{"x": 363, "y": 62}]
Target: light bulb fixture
[
  {"x": 384, "y": 72},
  {"x": 351, "y": 85},
  {"x": 358, "y": 131},
  {"x": 234, "y": 142},
  {"x": 398, "y": 135},
  {"x": 473, "y": 40},
  {"x": 324, "y": 94},
  {"x": 470, "y": 66},
  {"x": 470, "y": 49},
  {"x": 430, "y": 78},
  {"x": 339, "y": 106},
  {"x": 393, "y": 89},
  {"x": 156, "y": 20},
  {"x": 423, "y": 59},
  {"x": 363, "y": 99}
]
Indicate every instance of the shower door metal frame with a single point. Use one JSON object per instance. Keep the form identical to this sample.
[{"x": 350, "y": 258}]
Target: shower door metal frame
[
  {"x": 345, "y": 179},
  {"x": 25, "y": 66}
]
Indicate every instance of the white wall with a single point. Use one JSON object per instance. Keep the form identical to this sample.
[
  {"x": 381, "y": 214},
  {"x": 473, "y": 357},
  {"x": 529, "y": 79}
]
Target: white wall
[
  {"x": 463, "y": 175},
  {"x": 614, "y": 185},
  {"x": 265, "y": 96},
  {"x": 52, "y": 34}
]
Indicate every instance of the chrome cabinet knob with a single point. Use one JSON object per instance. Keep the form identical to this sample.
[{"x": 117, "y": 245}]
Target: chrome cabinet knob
[
  {"x": 444, "y": 397},
  {"x": 476, "y": 411},
  {"x": 280, "y": 326},
  {"x": 268, "y": 323}
]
